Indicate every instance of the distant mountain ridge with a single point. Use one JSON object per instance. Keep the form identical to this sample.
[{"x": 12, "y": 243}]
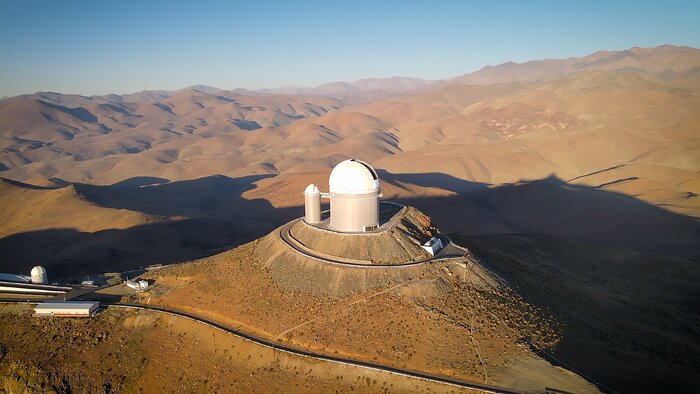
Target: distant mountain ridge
[
  {"x": 333, "y": 89},
  {"x": 662, "y": 62},
  {"x": 627, "y": 120},
  {"x": 393, "y": 84}
]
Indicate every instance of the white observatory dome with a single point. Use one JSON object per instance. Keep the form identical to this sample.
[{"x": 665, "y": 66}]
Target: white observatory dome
[
  {"x": 38, "y": 275},
  {"x": 353, "y": 177}
]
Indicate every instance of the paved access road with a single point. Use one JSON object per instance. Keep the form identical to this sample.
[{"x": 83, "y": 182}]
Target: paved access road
[
  {"x": 339, "y": 360},
  {"x": 302, "y": 353}
]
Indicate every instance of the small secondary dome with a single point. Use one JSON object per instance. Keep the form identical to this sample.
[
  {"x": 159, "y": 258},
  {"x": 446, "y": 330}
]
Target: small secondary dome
[
  {"x": 353, "y": 177},
  {"x": 312, "y": 189},
  {"x": 38, "y": 275}
]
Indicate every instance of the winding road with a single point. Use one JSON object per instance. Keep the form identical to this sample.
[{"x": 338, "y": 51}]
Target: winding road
[
  {"x": 338, "y": 360},
  {"x": 302, "y": 353}
]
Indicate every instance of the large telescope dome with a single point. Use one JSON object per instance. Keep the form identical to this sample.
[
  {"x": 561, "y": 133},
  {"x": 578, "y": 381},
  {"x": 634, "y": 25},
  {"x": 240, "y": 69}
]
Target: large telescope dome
[{"x": 353, "y": 177}]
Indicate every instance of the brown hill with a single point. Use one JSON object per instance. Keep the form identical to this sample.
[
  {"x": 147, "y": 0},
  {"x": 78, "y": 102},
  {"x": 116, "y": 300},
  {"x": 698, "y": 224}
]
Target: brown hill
[
  {"x": 137, "y": 351},
  {"x": 31, "y": 208},
  {"x": 597, "y": 118},
  {"x": 54, "y": 137},
  {"x": 449, "y": 317}
]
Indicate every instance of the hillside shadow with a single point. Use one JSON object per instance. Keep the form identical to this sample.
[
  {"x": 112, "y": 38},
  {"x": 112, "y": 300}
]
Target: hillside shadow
[
  {"x": 79, "y": 112},
  {"x": 434, "y": 179},
  {"x": 70, "y": 253},
  {"x": 247, "y": 125},
  {"x": 210, "y": 214},
  {"x": 627, "y": 319},
  {"x": 139, "y": 181},
  {"x": 197, "y": 218},
  {"x": 552, "y": 206},
  {"x": 618, "y": 275},
  {"x": 216, "y": 197}
]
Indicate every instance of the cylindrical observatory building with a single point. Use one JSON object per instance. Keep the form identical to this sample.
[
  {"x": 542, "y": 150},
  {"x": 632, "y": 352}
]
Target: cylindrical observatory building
[
  {"x": 354, "y": 193},
  {"x": 312, "y": 204}
]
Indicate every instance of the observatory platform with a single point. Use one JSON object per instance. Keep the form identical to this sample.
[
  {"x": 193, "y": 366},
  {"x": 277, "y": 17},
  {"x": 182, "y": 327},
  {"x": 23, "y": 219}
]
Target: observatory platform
[
  {"x": 360, "y": 230},
  {"x": 397, "y": 242}
]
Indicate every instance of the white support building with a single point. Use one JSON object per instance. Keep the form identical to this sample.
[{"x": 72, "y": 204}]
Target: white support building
[
  {"x": 66, "y": 309},
  {"x": 139, "y": 285},
  {"x": 434, "y": 246}
]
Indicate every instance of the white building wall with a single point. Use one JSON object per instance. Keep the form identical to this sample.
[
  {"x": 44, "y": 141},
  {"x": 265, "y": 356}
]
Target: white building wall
[
  {"x": 433, "y": 246},
  {"x": 68, "y": 308},
  {"x": 354, "y": 212}
]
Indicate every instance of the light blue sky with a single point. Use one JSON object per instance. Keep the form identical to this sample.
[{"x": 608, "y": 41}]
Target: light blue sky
[{"x": 98, "y": 47}]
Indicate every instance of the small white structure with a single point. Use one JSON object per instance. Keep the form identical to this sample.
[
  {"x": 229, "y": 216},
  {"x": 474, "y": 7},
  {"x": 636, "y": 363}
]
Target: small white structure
[
  {"x": 67, "y": 309},
  {"x": 433, "y": 246},
  {"x": 38, "y": 275},
  {"x": 88, "y": 283},
  {"x": 312, "y": 204},
  {"x": 137, "y": 285}
]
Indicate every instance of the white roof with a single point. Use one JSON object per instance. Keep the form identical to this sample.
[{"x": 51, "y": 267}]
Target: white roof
[
  {"x": 66, "y": 305},
  {"x": 14, "y": 278},
  {"x": 353, "y": 177}
]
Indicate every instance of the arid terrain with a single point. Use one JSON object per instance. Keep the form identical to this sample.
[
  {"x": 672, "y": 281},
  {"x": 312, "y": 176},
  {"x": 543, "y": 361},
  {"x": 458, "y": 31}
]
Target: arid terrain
[
  {"x": 152, "y": 353},
  {"x": 572, "y": 182},
  {"x": 599, "y": 148}
]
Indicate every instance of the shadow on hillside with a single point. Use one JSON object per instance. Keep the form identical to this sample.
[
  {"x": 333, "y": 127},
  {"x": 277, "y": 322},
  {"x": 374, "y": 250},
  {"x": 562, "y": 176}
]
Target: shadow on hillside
[
  {"x": 79, "y": 112},
  {"x": 209, "y": 215},
  {"x": 628, "y": 319},
  {"x": 198, "y": 218},
  {"x": 552, "y": 206},
  {"x": 216, "y": 197},
  {"x": 588, "y": 256},
  {"x": 139, "y": 181}
]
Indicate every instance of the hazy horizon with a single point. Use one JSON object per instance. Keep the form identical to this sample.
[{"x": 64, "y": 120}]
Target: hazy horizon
[{"x": 93, "y": 48}]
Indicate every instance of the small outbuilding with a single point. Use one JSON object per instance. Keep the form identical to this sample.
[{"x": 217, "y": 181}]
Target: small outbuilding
[
  {"x": 138, "y": 285},
  {"x": 66, "y": 309},
  {"x": 434, "y": 246}
]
